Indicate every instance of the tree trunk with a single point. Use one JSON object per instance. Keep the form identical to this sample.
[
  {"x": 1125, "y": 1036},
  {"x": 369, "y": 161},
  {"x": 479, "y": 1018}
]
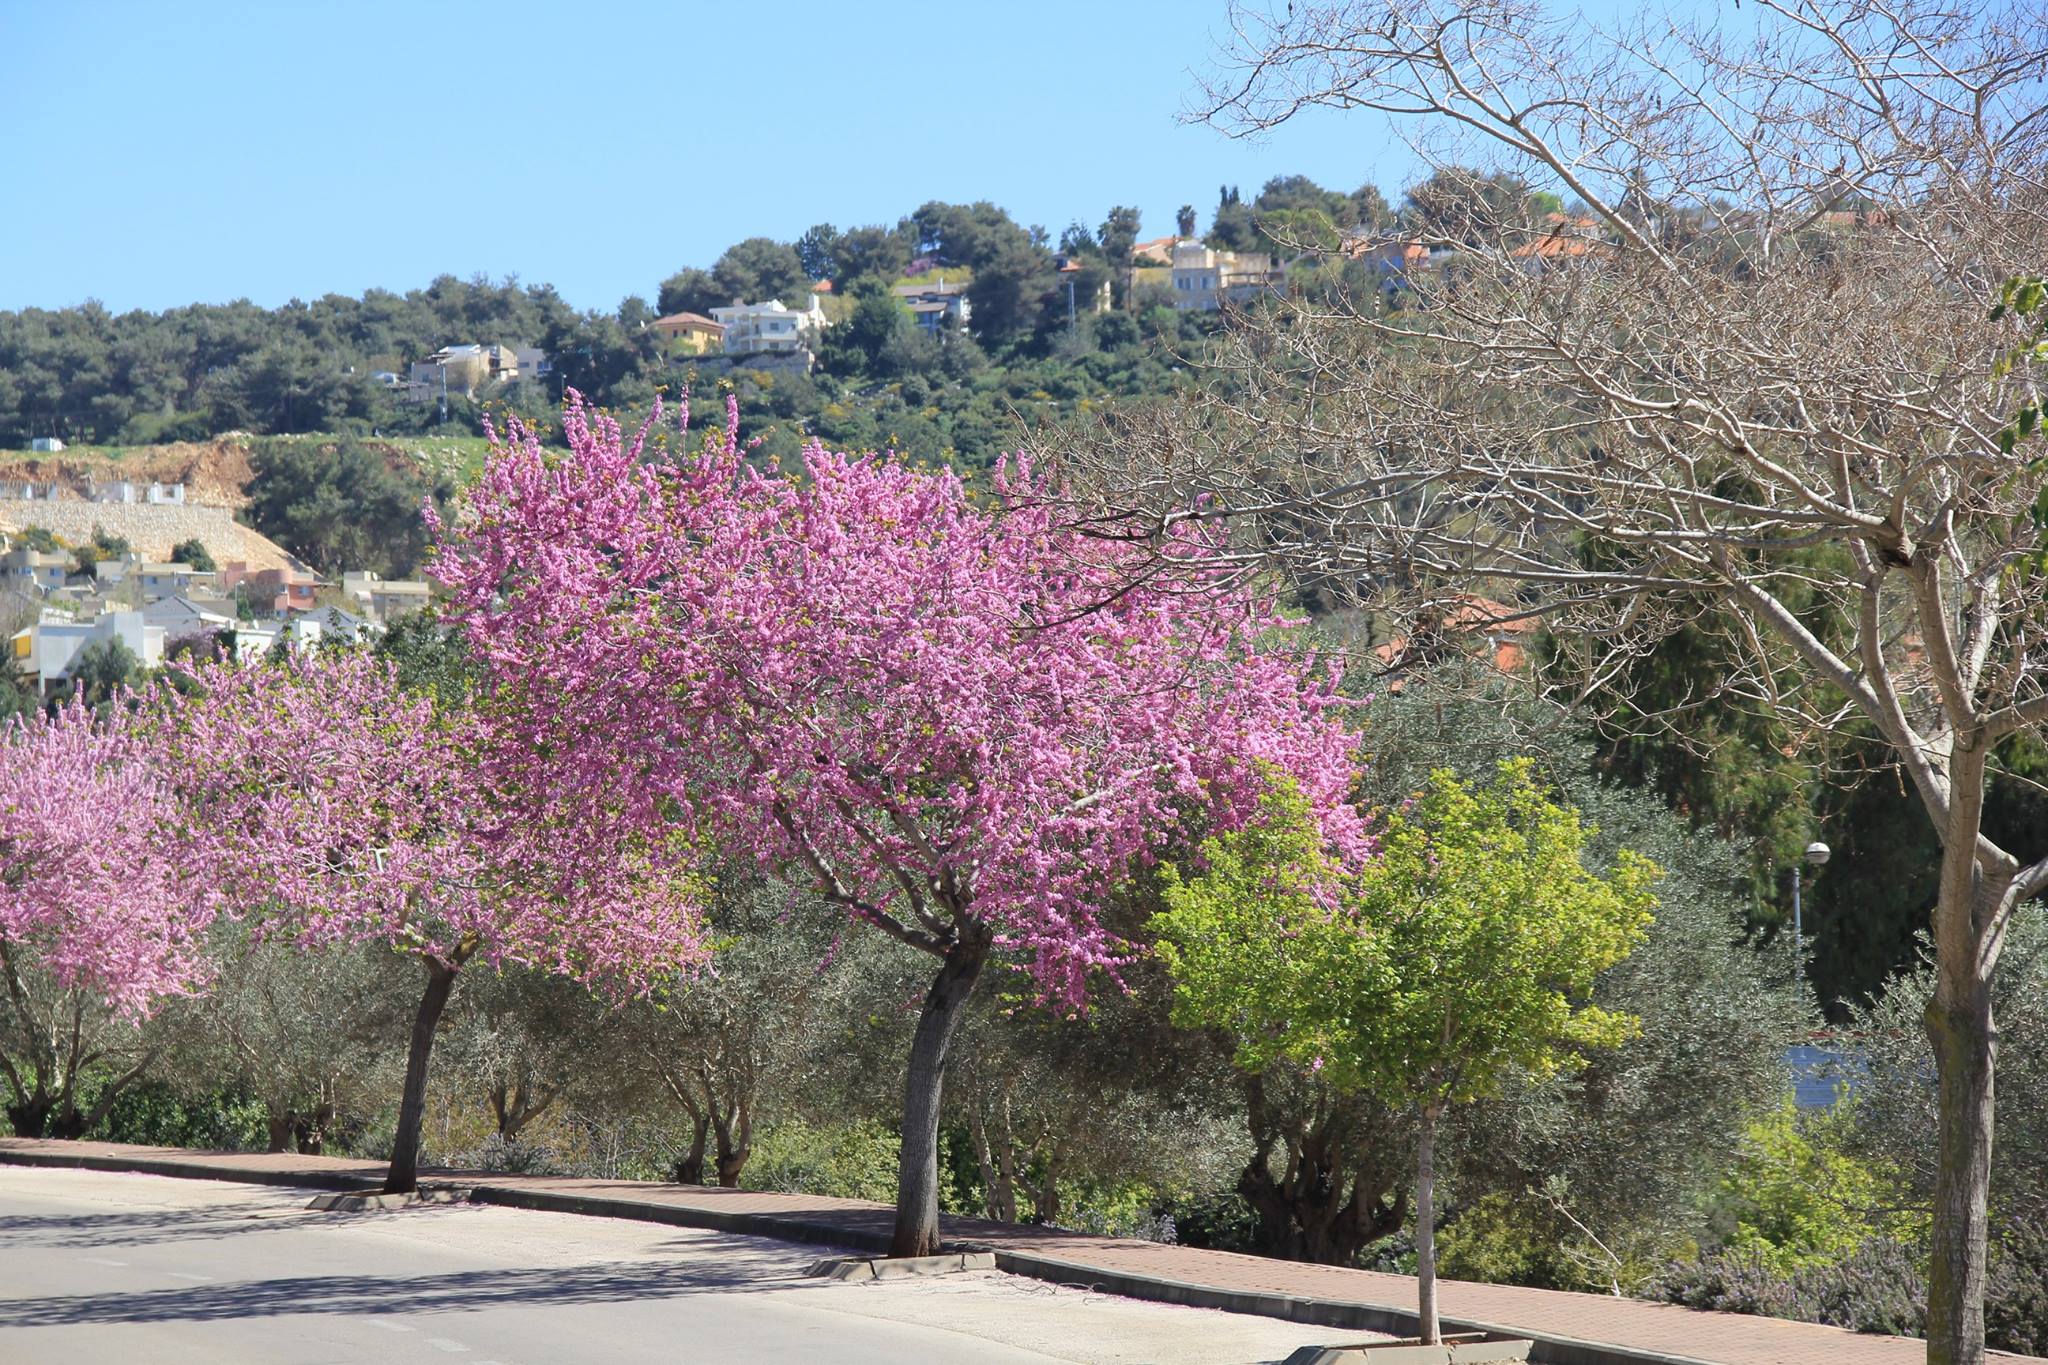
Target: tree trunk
[
  {"x": 732, "y": 1153},
  {"x": 1317, "y": 1208},
  {"x": 403, "y": 1177},
  {"x": 917, "y": 1178},
  {"x": 1426, "y": 1330},
  {"x": 280, "y": 1127},
  {"x": 690, "y": 1166},
  {"x": 30, "y": 1118},
  {"x": 1967, "y": 918}
]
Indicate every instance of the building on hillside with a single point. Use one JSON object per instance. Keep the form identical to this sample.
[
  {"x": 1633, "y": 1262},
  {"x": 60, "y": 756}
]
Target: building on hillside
[
  {"x": 938, "y": 307},
  {"x": 114, "y": 490},
  {"x": 1560, "y": 241},
  {"x": 383, "y": 599},
  {"x": 46, "y": 445},
  {"x": 532, "y": 364},
  {"x": 181, "y": 617},
  {"x": 689, "y": 333},
  {"x": 163, "y": 580},
  {"x": 1205, "y": 279},
  {"x": 165, "y": 494},
  {"x": 1476, "y": 627},
  {"x": 47, "y": 650},
  {"x": 464, "y": 368},
  {"x": 27, "y": 491},
  {"x": 279, "y": 590},
  {"x": 1158, "y": 251},
  {"x": 770, "y": 328},
  {"x": 23, "y": 567},
  {"x": 1097, "y": 301}
]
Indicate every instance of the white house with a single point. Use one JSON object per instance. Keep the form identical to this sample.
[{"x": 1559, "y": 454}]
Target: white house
[
  {"x": 48, "y": 649},
  {"x": 46, "y": 445},
  {"x": 755, "y": 328},
  {"x": 118, "y": 490},
  {"x": 167, "y": 494}
]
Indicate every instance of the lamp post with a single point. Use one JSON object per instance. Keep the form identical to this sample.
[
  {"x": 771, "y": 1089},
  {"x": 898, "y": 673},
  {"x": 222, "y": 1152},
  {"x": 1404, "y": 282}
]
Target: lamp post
[{"x": 1816, "y": 854}]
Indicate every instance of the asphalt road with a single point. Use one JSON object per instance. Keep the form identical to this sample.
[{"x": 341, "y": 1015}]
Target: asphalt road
[{"x": 145, "y": 1270}]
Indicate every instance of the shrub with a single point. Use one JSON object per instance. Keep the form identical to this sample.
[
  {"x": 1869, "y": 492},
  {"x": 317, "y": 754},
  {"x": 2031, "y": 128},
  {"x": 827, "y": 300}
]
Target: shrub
[
  {"x": 849, "y": 1161},
  {"x": 1878, "y": 1287},
  {"x": 1797, "y": 1198}
]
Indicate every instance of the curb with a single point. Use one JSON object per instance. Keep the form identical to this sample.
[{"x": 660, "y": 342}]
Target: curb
[{"x": 1551, "y": 1349}]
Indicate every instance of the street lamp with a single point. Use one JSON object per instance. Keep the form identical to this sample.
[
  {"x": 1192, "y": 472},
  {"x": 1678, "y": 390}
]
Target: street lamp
[{"x": 1816, "y": 854}]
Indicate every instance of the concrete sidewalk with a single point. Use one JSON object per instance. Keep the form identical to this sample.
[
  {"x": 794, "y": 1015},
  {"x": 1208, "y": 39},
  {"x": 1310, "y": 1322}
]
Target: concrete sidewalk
[{"x": 1570, "y": 1329}]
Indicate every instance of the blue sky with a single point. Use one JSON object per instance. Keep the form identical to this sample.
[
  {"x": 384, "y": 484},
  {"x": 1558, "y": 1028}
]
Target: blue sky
[{"x": 164, "y": 153}]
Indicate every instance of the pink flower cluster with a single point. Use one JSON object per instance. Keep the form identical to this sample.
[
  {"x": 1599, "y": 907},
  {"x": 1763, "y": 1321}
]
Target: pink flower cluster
[
  {"x": 97, "y": 878},
  {"x": 335, "y": 806},
  {"x": 942, "y": 711}
]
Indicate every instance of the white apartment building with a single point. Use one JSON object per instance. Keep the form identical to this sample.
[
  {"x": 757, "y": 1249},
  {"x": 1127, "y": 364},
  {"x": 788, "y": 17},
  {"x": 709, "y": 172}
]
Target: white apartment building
[{"x": 754, "y": 328}]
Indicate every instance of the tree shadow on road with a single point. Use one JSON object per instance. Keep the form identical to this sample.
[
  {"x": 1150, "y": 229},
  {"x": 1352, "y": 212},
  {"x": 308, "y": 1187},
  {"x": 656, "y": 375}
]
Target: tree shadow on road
[
  {"x": 148, "y": 1227},
  {"x": 376, "y": 1295}
]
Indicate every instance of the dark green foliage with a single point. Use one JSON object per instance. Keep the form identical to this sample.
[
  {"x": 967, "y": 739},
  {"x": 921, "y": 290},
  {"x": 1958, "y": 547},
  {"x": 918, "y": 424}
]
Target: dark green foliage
[
  {"x": 879, "y": 338},
  {"x": 194, "y": 553},
  {"x": 157, "y": 1114},
  {"x": 86, "y": 374},
  {"x": 880, "y": 254},
  {"x": 101, "y": 669},
  {"x": 429, "y": 657},
  {"x": 1232, "y": 228},
  {"x": 815, "y": 249},
  {"x": 38, "y": 538},
  {"x": 1458, "y": 204},
  {"x": 341, "y": 505},
  {"x": 757, "y": 270}
]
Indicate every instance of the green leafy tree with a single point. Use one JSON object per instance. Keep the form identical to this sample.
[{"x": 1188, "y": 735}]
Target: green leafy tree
[
  {"x": 1233, "y": 227},
  {"x": 873, "y": 334},
  {"x": 103, "y": 668},
  {"x": 759, "y": 269},
  {"x": 689, "y": 290},
  {"x": 344, "y": 505},
  {"x": 1461, "y": 956},
  {"x": 817, "y": 249},
  {"x": 871, "y": 253},
  {"x": 1459, "y": 204},
  {"x": 193, "y": 552}
]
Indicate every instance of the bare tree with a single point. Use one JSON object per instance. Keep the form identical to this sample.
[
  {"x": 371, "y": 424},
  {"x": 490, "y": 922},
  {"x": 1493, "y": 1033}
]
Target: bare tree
[{"x": 1747, "y": 381}]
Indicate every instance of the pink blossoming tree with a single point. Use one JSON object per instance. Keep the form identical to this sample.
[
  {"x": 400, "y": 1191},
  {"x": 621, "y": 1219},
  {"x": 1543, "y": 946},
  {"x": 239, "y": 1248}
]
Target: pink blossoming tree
[
  {"x": 339, "y": 808},
  {"x": 95, "y": 891},
  {"x": 963, "y": 722}
]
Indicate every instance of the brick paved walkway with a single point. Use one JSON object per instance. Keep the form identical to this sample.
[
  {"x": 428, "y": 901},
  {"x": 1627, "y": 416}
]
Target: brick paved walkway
[{"x": 1573, "y": 1328}]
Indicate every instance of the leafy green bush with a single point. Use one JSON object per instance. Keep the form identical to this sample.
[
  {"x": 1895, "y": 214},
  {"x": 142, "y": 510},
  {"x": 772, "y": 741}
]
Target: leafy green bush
[
  {"x": 2016, "y": 1297},
  {"x": 1797, "y": 1198},
  {"x": 157, "y": 1115},
  {"x": 849, "y": 1161}
]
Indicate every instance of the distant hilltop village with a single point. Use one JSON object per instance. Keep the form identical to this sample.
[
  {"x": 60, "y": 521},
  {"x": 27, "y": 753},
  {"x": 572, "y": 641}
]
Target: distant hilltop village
[{"x": 98, "y": 568}]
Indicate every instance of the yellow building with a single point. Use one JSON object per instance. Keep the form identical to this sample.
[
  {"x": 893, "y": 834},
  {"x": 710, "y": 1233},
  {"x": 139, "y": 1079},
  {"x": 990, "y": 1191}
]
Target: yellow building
[{"x": 689, "y": 333}]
